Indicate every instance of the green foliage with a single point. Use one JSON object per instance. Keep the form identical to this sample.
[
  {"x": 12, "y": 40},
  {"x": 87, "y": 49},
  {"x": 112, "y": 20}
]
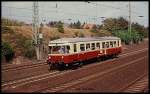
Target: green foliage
[
  {"x": 93, "y": 30},
  {"x": 76, "y": 25},
  {"x": 60, "y": 27},
  {"x": 29, "y": 50},
  {"x": 7, "y": 51},
  {"x": 111, "y": 24},
  {"x": 140, "y": 29},
  {"x": 127, "y": 36}
]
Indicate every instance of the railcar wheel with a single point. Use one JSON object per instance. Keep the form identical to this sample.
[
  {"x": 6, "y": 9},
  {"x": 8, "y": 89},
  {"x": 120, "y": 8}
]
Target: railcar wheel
[
  {"x": 80, "y": 64},
  {"x": 61, "y": 66}
]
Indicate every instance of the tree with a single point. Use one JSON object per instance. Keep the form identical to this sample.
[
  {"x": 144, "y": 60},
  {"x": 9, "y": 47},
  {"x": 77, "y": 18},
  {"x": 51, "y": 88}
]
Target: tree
[
  {"x": 78, "y": 25},
  {"x": 111, "y": 24},
  {"x": 60, "y": 27}
]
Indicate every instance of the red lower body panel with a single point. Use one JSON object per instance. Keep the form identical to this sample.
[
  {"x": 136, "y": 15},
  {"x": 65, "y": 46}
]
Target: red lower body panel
[{"x": 82, "y": 56}]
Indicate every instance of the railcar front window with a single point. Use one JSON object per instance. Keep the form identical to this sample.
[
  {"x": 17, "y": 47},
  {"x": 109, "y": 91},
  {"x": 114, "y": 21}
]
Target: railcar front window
[{"x": 59, "y": 49}]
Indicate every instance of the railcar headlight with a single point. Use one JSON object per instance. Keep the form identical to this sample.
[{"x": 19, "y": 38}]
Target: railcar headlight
[
  {"x": 62, "y": 57},
  {"x": 49, "y": 57}
]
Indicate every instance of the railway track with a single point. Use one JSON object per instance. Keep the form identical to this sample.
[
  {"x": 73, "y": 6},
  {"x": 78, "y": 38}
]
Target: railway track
[
  {"x": 137, "y": 86},
  {"x": 11, "y": 67},
  {"x": 46, "y": 75},
  {"x": 14, "y": 68},
  {"x": 42, "y": 64},
  {"x": 88, "y": 78},
  {"x": 30, "y": 80}
]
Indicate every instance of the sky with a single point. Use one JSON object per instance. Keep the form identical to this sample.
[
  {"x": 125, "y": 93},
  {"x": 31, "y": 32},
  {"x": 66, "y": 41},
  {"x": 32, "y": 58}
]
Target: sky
[{"x": 75, "y": 10}]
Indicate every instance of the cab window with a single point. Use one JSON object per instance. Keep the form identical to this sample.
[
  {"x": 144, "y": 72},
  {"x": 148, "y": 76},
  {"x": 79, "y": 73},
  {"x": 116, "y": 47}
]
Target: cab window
[{"x": 59, "y": 49}]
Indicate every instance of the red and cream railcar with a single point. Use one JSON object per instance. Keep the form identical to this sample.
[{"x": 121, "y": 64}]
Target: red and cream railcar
[{"x": 66, "y": 51}]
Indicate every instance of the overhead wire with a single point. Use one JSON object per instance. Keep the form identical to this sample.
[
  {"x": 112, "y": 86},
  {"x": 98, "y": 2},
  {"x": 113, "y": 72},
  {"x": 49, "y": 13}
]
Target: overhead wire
[{"x": 72, "y": 13}]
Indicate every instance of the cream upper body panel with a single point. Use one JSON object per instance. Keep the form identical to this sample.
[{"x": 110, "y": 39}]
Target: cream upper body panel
[{"x": 111, "y": 41}]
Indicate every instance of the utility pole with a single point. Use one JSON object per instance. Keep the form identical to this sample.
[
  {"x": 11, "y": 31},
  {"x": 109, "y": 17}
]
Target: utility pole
[
  {"x": 35, "y": 29},
  {"x": 129, "y": 27}
]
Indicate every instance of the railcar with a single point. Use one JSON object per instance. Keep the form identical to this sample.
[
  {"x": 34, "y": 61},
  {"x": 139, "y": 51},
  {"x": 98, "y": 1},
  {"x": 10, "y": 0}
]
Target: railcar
[{"x": 74, "y": 51}]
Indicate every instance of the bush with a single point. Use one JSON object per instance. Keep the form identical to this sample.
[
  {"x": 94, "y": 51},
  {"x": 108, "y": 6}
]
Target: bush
[
  {"x": 81, "y": 34},
  {"x": 127, "y": 37},
  {"x": 7, "y": 51},
  {"x": 29, "y": 51},
  {"x": 93, "y": 30}
]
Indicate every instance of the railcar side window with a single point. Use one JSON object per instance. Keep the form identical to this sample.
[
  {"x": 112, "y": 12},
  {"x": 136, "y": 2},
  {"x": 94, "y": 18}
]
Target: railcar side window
[
  {"x": 111, "y": 44},
  {"x": 114, "y": 43},
  {"x": 82, "y": 47},
  {"x": 75, "y": 48},
  {"x": 103, "y": 44},
  {"x": 88, "y": 46},
  {"x": 98, "y": 45},
  {"x": 118, "y": 43},
  {"x": 67, "y": 49},
  {"x": 107, "y": 44},
  {"x": 93, "y": 46}
]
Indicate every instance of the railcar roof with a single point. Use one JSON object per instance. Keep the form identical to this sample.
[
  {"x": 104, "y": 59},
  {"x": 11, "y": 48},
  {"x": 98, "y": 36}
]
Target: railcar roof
[{"x": 72, "y": 40}]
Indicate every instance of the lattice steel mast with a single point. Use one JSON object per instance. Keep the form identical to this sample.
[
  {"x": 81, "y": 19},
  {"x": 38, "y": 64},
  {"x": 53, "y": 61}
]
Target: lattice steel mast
[{"x": 35, "y": 29}]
